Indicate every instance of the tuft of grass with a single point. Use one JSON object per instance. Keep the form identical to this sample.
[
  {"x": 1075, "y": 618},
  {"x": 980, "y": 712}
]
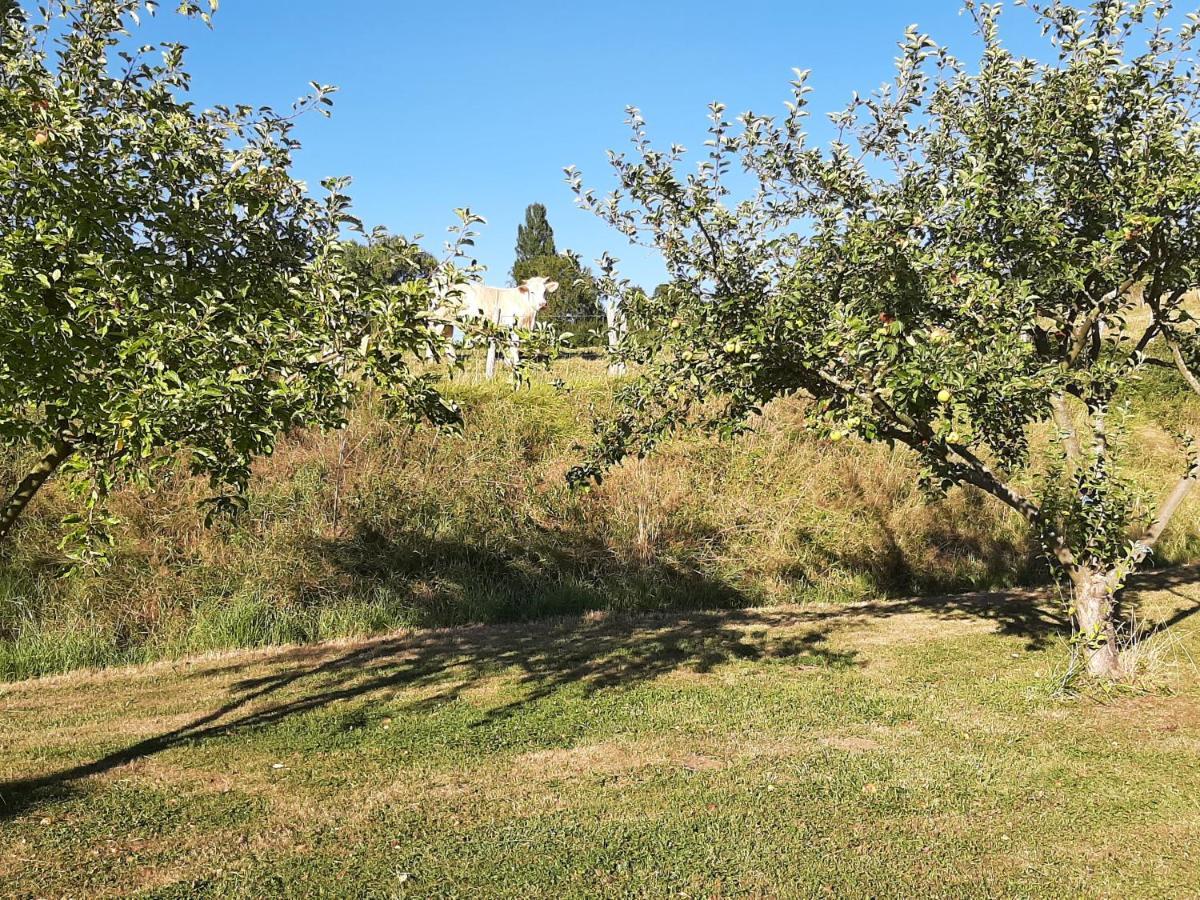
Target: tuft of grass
[
  {"x": 1152, "y": 656},
  {"x": 382, "y": 527}
]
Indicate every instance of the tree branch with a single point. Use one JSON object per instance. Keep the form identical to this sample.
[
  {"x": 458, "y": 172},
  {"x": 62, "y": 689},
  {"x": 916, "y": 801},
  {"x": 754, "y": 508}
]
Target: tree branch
[
  {"x": 1066, "y": 427},
  {"x": 1181, "y": 363},
  {"x": 972, "y": 470},
  {"x": 1170, "y": 340},
  {"x": 1085, "y": 328},
  {"x": 32, "y": 483},
  {"x": 1166, "y": 512}
]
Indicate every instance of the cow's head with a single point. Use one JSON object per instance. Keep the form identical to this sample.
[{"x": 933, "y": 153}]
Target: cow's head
[{"x": 536, "y": 289}]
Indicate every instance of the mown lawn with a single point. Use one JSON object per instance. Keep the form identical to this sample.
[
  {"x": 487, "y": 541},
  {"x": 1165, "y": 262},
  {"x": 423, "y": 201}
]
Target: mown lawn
[{"x": 896, "y": 748}]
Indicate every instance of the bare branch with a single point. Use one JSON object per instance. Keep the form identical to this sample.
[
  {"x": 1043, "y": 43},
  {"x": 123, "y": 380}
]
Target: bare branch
[
  {"x": 1166, "y": 512},
  {"x": 1181, "y": 363}
]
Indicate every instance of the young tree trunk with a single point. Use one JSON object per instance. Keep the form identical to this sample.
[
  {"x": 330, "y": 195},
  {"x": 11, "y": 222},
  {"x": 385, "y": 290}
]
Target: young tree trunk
[
  {"x": 32, "y": 483},
  {"x": 1095, "y": 612}
]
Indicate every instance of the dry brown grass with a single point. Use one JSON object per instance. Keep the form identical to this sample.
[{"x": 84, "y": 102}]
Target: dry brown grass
[{"x": 422, "y": 529}]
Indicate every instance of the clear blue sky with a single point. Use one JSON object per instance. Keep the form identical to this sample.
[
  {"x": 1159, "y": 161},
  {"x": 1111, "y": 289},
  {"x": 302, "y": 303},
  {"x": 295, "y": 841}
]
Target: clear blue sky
[{"x": 482, "y": 103}]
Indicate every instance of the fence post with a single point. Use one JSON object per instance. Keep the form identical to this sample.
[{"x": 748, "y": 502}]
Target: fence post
[
  {"x": 490, "y": 370},
  {"x": 513, "y": 353}
]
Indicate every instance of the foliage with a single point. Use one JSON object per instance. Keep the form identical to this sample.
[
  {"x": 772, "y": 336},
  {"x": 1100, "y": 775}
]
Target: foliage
[
  {"x": 535, "y": 238},
  {"x": 577, "y": 296},
  {"x": 390, "y": 259},
  {"x": 977, "y": 250},
  {"x": 166, "y": 285}
]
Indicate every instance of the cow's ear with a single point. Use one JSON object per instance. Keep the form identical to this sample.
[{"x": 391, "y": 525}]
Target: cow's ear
[
  {"x": 523, "y": 288},
  {"x": 551, "y": 287}
]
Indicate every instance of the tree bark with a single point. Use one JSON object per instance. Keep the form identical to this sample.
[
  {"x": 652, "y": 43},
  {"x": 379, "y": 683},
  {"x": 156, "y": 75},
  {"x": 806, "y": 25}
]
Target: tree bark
[
  {"x": 1066, "y": 428},
  {"x": 1095, "y": 613},
  {"x": 32, "y": 483},
  {"x": 1167, "y": 511}
]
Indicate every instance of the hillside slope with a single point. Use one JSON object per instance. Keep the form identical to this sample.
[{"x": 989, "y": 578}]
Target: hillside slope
[{"x": 352, "y": 534}]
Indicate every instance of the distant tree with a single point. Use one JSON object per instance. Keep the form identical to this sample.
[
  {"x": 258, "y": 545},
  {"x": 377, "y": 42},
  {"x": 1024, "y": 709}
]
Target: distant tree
[
  {"x": 390, "y": 259},
  {"x": 577, "y": 296},
  {"x": 167, "y": 287},
  {"x": 535, "y": 238},
  {"x": 979, "y": 252}
]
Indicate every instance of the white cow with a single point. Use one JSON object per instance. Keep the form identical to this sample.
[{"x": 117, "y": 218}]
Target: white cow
[{"x": 517, "y": 306}]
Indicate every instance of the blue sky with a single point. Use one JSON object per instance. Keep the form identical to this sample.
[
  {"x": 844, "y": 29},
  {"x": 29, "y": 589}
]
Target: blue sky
[{"x": 481, "y": 103}]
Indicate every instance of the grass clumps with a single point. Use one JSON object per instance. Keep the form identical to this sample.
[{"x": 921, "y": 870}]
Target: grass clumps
[{"x": 380, "y": 527}]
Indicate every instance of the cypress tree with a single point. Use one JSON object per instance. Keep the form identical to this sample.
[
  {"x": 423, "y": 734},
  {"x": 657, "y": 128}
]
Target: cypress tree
[{"x": 535, "y": 238}]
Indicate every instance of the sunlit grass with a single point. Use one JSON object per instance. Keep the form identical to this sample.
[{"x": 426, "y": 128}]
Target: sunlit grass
[{"x": 898, "y": 749}]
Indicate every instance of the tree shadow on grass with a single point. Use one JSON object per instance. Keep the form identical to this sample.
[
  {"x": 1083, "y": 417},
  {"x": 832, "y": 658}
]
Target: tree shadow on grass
[
  {"x": 549, "y": 572},
  {"x": 599, "y": 652},
  {"x": 949, "y": 553},
  {"x": 556, "y": 572},
  {"x": 1038, "y": 615},
  {"x": 1031, "y": 613},
  {"x": 1167, "y": 581}
]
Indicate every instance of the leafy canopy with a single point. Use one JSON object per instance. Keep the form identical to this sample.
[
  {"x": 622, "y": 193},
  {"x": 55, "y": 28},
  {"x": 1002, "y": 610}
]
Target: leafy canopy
[
  {"x": 390, "y": 259},
  {"x": 166, "y": 285},
  {"x": 979, "y": 249}
]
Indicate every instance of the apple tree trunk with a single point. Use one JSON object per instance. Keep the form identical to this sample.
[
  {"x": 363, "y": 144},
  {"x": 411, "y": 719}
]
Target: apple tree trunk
[{"x": 1095, "y": 610}]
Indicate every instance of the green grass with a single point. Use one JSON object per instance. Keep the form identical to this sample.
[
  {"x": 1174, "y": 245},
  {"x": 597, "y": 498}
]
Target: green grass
[
  {"x": 420, "y": 529},
  {"x": 895, "y": 748}
]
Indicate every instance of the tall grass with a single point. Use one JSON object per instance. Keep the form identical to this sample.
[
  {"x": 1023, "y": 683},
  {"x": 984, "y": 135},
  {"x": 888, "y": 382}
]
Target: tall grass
[{"x": 384, "y": 527}]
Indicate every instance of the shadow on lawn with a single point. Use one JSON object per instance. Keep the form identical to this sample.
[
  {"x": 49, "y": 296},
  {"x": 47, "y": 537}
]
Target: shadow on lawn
[
  {"x": 547, "y": 572},
  {"x": 607, "y": 651},
  {"x": 603, "y": 652},
  {"x": 1039, "y": 614}
]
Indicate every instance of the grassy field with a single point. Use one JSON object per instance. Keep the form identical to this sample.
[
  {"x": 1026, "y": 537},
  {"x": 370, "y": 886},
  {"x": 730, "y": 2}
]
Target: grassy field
[
  {"x": 353, "y": 534},
  {"x": 896, "y": 748}
]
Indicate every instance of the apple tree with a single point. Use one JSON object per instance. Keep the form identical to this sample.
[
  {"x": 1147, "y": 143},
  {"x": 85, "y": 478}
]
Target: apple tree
[
  {"x": 977, "y": 249},
  {"x": 166, "y": 285},
  {"x": 390, "y": 258}
]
